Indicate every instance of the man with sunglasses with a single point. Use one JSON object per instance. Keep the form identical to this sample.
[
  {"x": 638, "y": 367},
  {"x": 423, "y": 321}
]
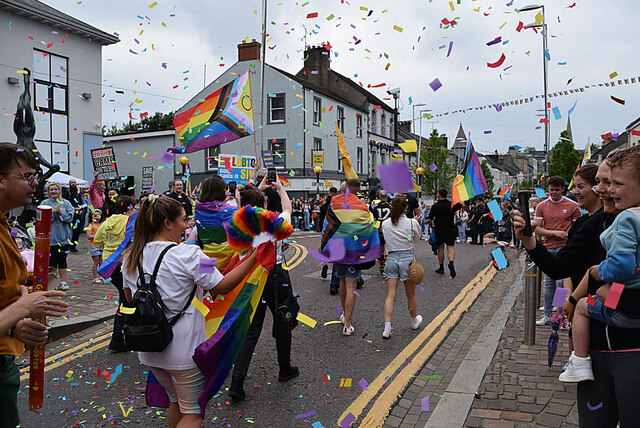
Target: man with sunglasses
[{"x": 18, "y": 181}]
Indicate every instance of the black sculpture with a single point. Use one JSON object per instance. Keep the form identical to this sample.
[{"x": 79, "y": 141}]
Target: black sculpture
[{"x": 25, "y": 129}]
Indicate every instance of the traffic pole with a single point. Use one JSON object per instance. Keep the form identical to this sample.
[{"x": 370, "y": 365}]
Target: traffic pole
[
  {"x": 530, "y": 304},
  {"x": 40, "y": 283}
]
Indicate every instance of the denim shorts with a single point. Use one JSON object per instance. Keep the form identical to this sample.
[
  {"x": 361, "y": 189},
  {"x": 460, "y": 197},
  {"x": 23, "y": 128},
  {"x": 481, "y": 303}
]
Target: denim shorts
[
  {"x": 397, "y": 265},
  {"x": 611, "y": 317},
  {"x": 348, "y": 271},
  {"x": 183, "y": 387},
  {"x": 95, "y": 251}
]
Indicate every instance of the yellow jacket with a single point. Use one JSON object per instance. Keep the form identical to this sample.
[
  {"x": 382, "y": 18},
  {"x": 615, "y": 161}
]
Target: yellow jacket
[{"x": 110, "y": 234}]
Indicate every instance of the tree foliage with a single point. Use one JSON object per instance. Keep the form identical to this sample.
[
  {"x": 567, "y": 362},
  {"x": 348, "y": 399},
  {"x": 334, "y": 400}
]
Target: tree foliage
[
  {"x": 156, "y": 122},
  {"x": 434, "y": 151},
  {"x": 488, "y": 178},
  {"x": 564, "y": 158}
]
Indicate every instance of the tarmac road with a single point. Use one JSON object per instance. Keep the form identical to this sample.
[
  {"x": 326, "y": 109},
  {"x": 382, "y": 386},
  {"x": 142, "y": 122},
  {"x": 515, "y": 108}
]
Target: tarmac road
[{"x": 78, "y": 394}]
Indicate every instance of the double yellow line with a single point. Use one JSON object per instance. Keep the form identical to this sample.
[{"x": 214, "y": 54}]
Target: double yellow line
[
  {"x": 299, "y": 254},
  {"x": 442, "y": 323}
]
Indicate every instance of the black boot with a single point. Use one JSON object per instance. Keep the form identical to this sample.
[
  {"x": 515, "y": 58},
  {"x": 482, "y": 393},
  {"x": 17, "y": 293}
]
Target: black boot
[
  {"x": 334, "y": 289},
  {"x": 440, "y": 270},
  {"x": 325, "y": 268},
  {"x": 287, "y": 374},
  {"x": 359, "y": 283},
  {"x": 236, "y": 390},
  {"x": 452, "y": 270}
]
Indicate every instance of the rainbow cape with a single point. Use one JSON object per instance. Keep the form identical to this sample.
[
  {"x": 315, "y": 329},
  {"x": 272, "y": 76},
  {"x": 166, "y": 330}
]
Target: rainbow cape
[
  {"x": 210, "y": 217},
  {"x": 225, "y": 115},
  {"x": 471, "y": 181},
  {"x": 506, "y": 191},
  {"x": 349, "y": 220}
]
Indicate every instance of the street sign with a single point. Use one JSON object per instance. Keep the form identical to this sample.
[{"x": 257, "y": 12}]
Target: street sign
[
  {"x": 104, "y": 162},
  {"x": 317, "y": 157},
  {"x": 147, "y": 178},
  {"x": 267, "y": 159}
]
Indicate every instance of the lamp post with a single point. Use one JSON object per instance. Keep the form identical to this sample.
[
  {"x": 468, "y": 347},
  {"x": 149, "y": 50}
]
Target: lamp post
[
  {"x": 413, "y": 115},
  {"x": 318, "y": 170},
  {"x": 184, "y": 161},
  {"x": 395, "y": 92},
  {"x": 419, "y": 173},
  {"x": 544, "y": 64},
  {"x": 420, "y": 139}
]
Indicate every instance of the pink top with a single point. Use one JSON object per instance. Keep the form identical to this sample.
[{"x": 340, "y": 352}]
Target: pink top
[
  {"x": 557, "y": 216},
  {"x": 96, "y": 198}
]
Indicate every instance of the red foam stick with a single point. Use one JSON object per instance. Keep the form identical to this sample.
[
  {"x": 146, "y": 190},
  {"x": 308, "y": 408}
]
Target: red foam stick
[{"x": 613, "y": 296}]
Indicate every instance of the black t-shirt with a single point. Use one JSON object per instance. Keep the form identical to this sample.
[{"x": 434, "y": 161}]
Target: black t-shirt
[
  {"x": 442, "y": 214},
  {"x": 184, "y": 200},
  {"x": 74, "y": 198},
  {"x": 381, "y": 211},
  {"x": 413, "y": 204}
]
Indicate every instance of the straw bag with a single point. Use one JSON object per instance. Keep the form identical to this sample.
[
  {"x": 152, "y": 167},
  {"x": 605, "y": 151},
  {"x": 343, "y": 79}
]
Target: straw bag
[{"x": 416, "y": 271}]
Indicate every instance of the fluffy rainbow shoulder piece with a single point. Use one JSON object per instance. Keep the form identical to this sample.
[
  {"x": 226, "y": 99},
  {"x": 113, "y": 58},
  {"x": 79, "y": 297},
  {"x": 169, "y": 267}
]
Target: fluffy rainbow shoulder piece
[{"x": 249, "y": 222}]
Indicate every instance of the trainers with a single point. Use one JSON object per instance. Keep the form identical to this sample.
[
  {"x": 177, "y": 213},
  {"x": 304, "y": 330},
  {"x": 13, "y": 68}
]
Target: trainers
[
  {"x": 342, "y": 318},
  {"x": 579, "y": 370},
  {"x": 325, "y": 268},
  {"x": 386, "y": 334},
  {"x": 415, "y": 323},
  {"x": 348, "y": 331},
  {"x": 544, "y": 320},
  {"x": 62, "y": 287}
]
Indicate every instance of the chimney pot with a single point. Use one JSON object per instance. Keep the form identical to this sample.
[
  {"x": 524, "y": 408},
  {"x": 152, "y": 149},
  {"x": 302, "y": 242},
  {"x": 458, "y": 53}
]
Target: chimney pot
[{"x": 249, "y": 51}]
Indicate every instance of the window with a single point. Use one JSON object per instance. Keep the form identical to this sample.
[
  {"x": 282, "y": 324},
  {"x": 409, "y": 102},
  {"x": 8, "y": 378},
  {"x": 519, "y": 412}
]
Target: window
[
  {"x": 278, "y": 148},
  {"x": 276, "y": 108},
  {"x": 51, "y": 101},
  {"x": 212, "y": 157},
  {"x": 317, "y": 143},
  {"x": 374, "y": 121},
  {"x": 374, "y": 158},
  {"x": 382, "y": 158},
  {"x": 341, "y": 119},
  {"x": 317, "y": 111},
  {"x": 360, "y": 160},
  {"x": 358, "y": 125},
  {"x": 383, "y": 125},
  {"x": 391, "y": 125}
]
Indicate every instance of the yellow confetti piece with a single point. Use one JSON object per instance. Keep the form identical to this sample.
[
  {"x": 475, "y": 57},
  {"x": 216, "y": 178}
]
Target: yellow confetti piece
[
  {"x": 451, "y": 6},
  {"x": 612, "y": 75},
  {"x": 505, "y": 23},
  {"x": 332, "y": 322},
  {"x": 539, "y": 18},
  {"x": 138, "y": 101},
  {"x": 125, "y": 413},
  {"x": 69, "y": 373},
  {"x": 200, "y": 306},
  {"x": 398, "y": 29},
  {"x": 151, "y": 6},
  {"x": 306, "y": 320},
  {"x": 388, "y": 65},
  {"x": 345, "y": 382},
  {"x": 364, "y": 8}
]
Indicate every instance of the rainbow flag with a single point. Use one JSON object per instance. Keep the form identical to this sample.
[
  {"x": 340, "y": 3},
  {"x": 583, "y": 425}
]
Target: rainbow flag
[
  {"x": 506, "y": 191},
  {"x": 348, "y": 219},
  {"x": 210, "y": 217},
  {"x": 109, "y": 266},
  {"x": 225, "y": 115},
  {"x": 471, "y": 182}
]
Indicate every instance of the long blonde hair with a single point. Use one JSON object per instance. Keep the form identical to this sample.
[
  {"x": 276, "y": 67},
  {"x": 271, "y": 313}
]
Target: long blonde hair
[{"x": 153, "y": 212}]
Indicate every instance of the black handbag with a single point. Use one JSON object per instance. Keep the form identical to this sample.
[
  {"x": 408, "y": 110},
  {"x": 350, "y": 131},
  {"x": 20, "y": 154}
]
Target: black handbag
[{"x": 285, "y": 317}]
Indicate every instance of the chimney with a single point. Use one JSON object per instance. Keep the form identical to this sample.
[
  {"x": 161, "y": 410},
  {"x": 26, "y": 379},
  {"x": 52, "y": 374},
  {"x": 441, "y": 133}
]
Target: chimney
[
  {"x": 317, "y": 65},
  {"x": 249, "y": 51}
]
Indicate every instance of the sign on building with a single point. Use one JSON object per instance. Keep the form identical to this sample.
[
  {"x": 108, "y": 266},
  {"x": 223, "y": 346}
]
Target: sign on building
[
  {"x": 317, "y": 157},
  {"x": 236, "y": 168},
  {"x": 104, "y": 162},
  {"x": 147, "y": 178},
  {"x": 267, "y": 159}
]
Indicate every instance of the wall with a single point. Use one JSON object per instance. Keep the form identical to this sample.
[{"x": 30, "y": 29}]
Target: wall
[{"x": 16, "y": 52}]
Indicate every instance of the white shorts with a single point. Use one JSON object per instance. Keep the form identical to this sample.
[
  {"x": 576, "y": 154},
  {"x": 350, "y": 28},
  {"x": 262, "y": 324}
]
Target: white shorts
[{"x": 183, "y": 387}]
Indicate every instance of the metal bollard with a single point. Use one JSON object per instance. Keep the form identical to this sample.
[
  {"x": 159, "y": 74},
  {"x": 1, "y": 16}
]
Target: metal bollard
[{"x": 530, "y": 304}]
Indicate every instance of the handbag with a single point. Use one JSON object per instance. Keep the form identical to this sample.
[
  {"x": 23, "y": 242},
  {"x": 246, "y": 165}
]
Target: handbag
[
  {"x": 415, "y": 271},
  {"x": 285, "y": 316}
]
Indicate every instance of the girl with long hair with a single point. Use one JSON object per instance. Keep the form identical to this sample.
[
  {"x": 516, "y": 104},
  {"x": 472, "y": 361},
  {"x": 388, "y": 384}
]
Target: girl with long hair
[
  {"x": 160, "y": 223},
  {"x": 400, "y": 234}
]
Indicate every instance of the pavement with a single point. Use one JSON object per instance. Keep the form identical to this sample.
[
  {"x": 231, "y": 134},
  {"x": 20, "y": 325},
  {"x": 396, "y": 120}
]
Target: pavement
[{"x": 485, "y": 375}]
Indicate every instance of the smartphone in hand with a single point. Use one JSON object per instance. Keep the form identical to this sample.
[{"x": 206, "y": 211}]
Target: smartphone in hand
[
  {"x": 523, "y": 198},
  {"x": 232, "y": 187},
  {"x": 271, "y": 175}
]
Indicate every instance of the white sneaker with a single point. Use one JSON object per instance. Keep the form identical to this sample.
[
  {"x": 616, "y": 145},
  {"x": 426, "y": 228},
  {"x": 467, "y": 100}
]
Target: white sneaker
[
  {"x": 342, "y": 318},
  {"x": 62, "y": 287},
  {"x": 386, "y": 334},
  {"x": 579, "y": 370},
  {"x": 415, "y": 323},
  {"x": 348, "y": 331},
  {"x": 544, "y": 320}
]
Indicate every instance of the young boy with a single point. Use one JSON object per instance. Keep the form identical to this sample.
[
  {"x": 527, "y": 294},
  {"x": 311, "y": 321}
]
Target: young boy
[{"x": 622, "y": 243}]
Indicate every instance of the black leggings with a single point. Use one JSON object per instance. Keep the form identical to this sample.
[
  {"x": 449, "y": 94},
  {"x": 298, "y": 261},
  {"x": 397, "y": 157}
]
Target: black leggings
[{"x": 616, "y": 386}]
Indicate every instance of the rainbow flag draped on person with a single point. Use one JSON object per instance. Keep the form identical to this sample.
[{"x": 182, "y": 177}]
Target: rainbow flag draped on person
[
  {"x": 349, "y": 220},
  {"x": 471, "y": 181},
  {"x": 506, "y": 191},
  {"x": 210, "y": 218},
  {"x": 225, "y": 115}
]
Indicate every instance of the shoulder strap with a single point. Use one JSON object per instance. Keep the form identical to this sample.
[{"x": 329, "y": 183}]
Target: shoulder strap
[
  {"x": 159, "y": 262},
  {"x": 177, "y": 316}
]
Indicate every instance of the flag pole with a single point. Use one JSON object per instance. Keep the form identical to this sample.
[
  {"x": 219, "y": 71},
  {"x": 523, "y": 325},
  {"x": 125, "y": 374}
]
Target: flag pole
[
  {"x": 253, "y": 118},
  {"x": 262, "y": 63}
]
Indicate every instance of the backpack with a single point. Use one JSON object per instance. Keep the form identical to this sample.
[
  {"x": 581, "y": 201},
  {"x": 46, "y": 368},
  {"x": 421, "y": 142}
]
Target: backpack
[{"x": 146, "y": 327}]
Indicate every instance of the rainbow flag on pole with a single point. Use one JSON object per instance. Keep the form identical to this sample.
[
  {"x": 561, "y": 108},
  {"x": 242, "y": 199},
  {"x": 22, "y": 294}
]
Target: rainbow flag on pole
[
  {"x": 506, "y": 191},
  {"x": 471, "y": 182},
  {"x": 225, "y": 115}
]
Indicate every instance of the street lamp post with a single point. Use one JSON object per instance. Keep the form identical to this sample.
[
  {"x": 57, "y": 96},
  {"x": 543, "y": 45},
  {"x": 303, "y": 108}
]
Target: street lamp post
[
  {"x": 547, "y": 129},
  {"x": 413, "y": 115},
  {"x": 395, "y": 93},
  {"x": 318, "y": 170}
]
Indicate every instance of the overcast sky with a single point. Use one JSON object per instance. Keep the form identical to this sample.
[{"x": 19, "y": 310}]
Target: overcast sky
[{"x": 587, "y": 43}]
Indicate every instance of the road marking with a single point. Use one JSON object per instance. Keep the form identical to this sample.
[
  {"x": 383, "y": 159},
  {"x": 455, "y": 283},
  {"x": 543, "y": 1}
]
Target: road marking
[
  {"x": 24, "y": 373},
  {"x": 444, "y": 321},
  {"x": 301, "y": 254}
]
